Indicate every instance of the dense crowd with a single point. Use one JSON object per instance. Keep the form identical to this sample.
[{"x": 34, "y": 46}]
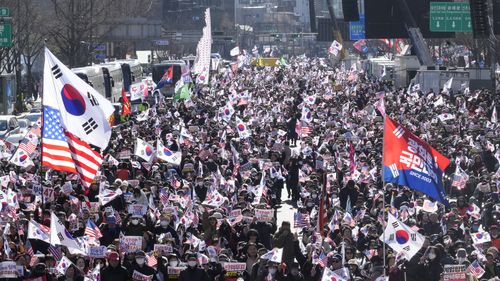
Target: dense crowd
[{"x": 315, "y": 136}]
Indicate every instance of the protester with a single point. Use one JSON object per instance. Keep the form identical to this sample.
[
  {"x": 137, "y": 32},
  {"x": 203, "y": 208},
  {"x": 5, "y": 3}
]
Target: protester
[{"x": 201, "y": 202}]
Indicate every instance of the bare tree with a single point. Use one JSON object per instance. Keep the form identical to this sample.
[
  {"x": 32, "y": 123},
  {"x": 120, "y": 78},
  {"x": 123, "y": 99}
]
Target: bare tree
[{"x": 79, "y": 24}]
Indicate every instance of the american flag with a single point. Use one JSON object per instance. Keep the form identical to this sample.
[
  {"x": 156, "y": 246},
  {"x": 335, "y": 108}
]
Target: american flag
[
  {"x": 29, "y": 143},
  {"x": 164, "y": 196},
  {"x": 29, "y": 249},
  {"x": 301, "y": 220},
  {"x": 306, "y": 130},
  {"x": 476, "y": 269},
  {"x": 63, "y": 151},
  {"x": 56, "y": 252},
  {"x": 92, "y": 230},
  {"x": 74, "y": 200},
  {"x": 152, "y": 261}
]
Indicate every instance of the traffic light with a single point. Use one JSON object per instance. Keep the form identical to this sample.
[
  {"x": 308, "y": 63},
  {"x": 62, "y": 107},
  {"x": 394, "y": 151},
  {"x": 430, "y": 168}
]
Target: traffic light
[
  {"x": 496, "y": 16},
  {"x": 479, "y": 18},
  {"x": 350, "y": 9}
]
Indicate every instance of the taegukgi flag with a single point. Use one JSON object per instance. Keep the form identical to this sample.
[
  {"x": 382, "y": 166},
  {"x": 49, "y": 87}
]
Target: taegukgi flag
[
  {"x": 410, "y": 161},
  {"x": 401, "y": 238}
]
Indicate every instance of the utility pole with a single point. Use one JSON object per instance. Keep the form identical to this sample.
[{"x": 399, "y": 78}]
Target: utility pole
[{"x": 19, "y": 94}]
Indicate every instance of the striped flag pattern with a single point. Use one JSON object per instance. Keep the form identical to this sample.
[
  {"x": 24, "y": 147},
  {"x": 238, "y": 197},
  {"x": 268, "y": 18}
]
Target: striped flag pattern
[
  {"x": 29, "y": 143},
  {"x": 476, "y": 269},
  {"x": 301, "y": 220},
  {"x": 152, "y": 261},
  {"x": 63, "y": 151},
  {"x": 92, "y": 231},
  {"x": 56, "y": 252}
]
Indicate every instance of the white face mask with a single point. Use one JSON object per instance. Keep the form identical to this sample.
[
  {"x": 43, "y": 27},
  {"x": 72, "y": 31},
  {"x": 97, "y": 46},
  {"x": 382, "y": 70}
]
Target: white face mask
[
  {"x": 272, "y": 270},
  {"x": 140, "y": 261},
  {"x": 164, "y": 223},
  {"x": 461, "y": 260},
  {"x": 174, "y": 263},
  {"x": 432, "y": 256},
  {"x": 192, "y": 263},
  {"x": 135, "y": 222}
]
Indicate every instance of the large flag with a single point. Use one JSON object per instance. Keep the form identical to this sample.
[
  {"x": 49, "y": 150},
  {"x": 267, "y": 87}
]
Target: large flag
[
  {"x": 411, "y": 162},
  {"x": 167, "y": 155},
  {"x": 138, "y": 91},
  {"x": 401, "y": 238},
  {"x": 59, "y": 235},
  {"x": 202, "y": 62},
  {"x": 143, "y": 149},
  {"x": 75, "y": 116},
  {"x": 167, "y": 78}
]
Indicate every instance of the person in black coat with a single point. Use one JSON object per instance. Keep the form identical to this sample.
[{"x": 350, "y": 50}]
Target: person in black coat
[
  {"x": 141, "y": 266},
  {"x": 114, "y": 271},
  {"x": 193, "y": 272}
]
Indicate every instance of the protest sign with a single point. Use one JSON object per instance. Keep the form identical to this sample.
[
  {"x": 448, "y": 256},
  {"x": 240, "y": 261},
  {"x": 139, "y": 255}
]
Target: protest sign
[
  {"x": 136, "y": 275},
  {"x": 8, "y": 269},
  {"x": 164, "y": 248},
  {"x": 137, "y": 209},
  {"x": 96, "y": 251},
  {"x": 264, "y": 215},
  {"x": 130, "y": 244},
  {"x": 173, "y": 272},
  {"x": 454, "y": 273},
  {"x": 235, "y": 266}
]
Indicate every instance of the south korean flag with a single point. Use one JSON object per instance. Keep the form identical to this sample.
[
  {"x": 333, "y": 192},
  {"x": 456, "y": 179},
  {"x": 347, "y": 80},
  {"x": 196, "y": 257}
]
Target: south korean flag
[{"x": 401, "y": 238}]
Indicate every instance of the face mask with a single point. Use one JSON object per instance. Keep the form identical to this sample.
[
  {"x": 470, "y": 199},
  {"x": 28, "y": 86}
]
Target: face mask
[
  {"x": 310, "y": 204},
  {"x": 315, "y": 196},
  {"x": 272, "y": 270},
  {"x": 192, "y": 263},
  {"x": 135, "y": 222},
  {"x": 174, "y": 263},
  {"x": 164, "y": 223},
  {"x": 432, "y": 256},
  {"x": 140, "y": 261},
  {"x": 461, "y": 260}
]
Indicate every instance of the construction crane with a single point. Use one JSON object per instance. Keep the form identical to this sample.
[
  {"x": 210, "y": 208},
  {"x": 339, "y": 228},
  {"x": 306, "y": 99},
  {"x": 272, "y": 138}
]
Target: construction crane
[{"x": 336, "y": 30}]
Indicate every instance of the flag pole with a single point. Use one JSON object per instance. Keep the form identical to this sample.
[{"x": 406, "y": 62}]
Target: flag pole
[
  {"x": 383, "y": 199},
  {"x": 41, "y": 134}
]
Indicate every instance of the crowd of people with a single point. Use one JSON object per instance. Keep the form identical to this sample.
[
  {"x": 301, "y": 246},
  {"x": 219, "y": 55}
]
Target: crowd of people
[{"x": 307, "y": 132}]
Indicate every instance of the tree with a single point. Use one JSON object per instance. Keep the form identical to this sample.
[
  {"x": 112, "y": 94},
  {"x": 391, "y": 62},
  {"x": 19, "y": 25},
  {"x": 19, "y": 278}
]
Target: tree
[{"x": 78, "y": 24}]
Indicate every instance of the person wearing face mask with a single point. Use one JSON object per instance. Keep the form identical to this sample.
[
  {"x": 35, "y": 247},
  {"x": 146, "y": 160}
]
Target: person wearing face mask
[
  {"x": 140, "y": 265},
  {"x": 430, "y": 266},
  {"x": 166, "y": 226},
  {"x": 193, "y": 272},
  {"x": 295, "y": 274},
  {"x": 134, "y": 226},
  {"x": 113, "y": 271}
]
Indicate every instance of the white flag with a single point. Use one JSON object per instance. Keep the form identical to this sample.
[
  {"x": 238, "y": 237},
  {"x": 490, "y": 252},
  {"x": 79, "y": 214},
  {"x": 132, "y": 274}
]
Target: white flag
[
  {"x": 59, "y": 235},
  {"x": 494, "y": 119},
  {"x": 329, "y": 275},
  {"x": 167, "y": 155},
  {"x": 310, "y": 99},
  {"x": 415, "y": 88},
  {"x": 480, "y": 237},
  {"x": 83, "y": 111},
  {"x": 227, "y": 112},
  {"x": 242, "y": 128},
  {"x": 307, "y": 114},
  {"x": 401, "y": 238},
  {"x": 274, "y": 255},
  {"x": 143, "y": 149},
  {"x": 21, "y": 159},
  {"x": 447, "y": 85},
  {"x": 36, "y": 231},
  {"x": 235, "y": 51},
  {"x": 107, "y": 195},
  {"x": 63, "y": 265}
]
